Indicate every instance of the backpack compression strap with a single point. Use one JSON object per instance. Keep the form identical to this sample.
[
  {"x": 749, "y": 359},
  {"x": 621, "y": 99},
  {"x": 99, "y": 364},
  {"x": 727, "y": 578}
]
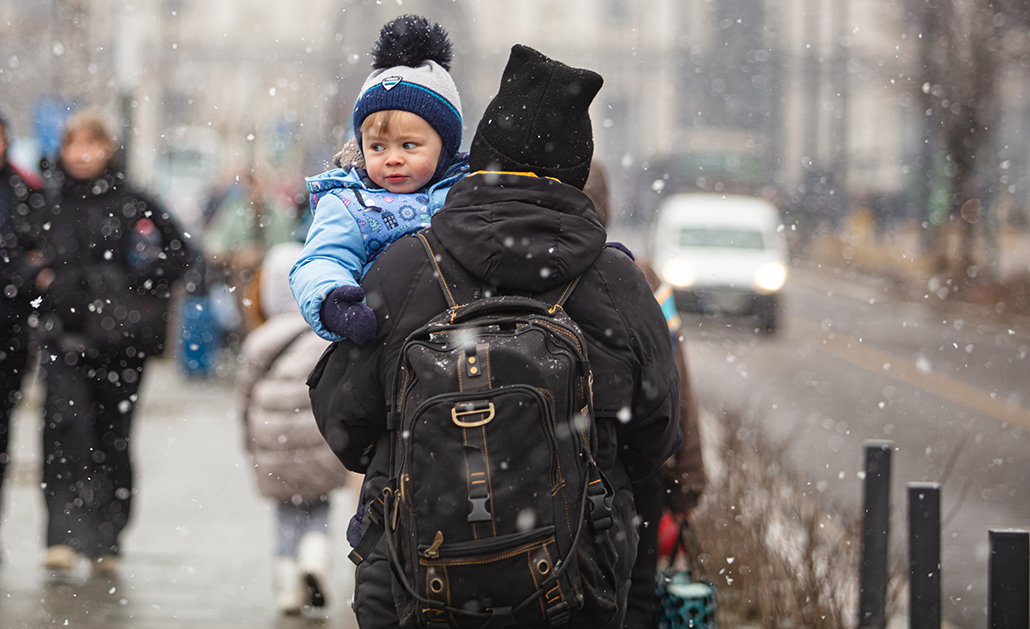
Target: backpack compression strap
[{"x": 461, "y": 287}]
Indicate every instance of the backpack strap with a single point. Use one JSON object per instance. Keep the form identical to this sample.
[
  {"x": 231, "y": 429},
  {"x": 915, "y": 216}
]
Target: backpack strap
[
  {"x": 461, "y": 287},
  {"x": 375, "y": 513},
  {"x": 458, "y": 285}
]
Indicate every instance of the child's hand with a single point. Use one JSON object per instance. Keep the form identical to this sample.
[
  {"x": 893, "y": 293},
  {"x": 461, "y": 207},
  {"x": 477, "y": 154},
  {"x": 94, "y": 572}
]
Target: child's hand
[{"x": 344, "y": 314}]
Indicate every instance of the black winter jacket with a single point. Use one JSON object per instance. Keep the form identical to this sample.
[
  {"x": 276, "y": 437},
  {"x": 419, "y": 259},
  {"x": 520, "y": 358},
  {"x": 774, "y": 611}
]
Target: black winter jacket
[
  {"x": 18, "y": 203},
  {"x": 520, "y": 233},
  {"x": 105, "y": 223}
]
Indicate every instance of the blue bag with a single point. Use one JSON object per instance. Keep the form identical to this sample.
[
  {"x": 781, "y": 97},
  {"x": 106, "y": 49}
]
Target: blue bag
[{"x": 199, "y": 337}]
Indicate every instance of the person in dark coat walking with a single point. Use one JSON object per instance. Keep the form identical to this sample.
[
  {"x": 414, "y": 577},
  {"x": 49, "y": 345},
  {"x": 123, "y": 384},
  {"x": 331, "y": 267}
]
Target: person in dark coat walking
[
  {"x": 678, "y": 487},
  {"x": 112, "y": 256},
  {"x": 520, "y": 222},
  {"x": 19, "y": 264}
]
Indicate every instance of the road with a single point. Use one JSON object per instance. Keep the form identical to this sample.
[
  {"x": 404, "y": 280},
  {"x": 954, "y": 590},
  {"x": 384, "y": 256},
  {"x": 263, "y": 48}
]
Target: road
[
  {"x": 199, "y": 548},
  {"x": 852, "y": 364}
]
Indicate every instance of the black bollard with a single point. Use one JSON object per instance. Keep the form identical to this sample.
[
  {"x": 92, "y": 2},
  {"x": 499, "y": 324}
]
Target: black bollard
[
  {"x": 924, "y": 556},
  {"x": 1008, "y": 580},
  {"x": 872, "y": 595}
]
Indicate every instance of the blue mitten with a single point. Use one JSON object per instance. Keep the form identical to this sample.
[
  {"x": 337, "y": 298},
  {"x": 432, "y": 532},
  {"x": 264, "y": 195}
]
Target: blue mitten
[{"x": 344, "y": 314}]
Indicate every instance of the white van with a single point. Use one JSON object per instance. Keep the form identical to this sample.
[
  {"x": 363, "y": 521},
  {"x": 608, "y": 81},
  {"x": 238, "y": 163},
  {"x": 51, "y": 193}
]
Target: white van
[{"x": 722, "y": 254}]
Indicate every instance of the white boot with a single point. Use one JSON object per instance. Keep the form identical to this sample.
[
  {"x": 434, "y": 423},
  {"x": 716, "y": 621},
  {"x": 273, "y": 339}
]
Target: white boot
[
  {"x": 314, "y": 556},
  {"x": 289, "y": 589}
]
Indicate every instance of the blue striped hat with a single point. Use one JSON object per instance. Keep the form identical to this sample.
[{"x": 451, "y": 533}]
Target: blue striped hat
[{"x": 425, "y": 90}]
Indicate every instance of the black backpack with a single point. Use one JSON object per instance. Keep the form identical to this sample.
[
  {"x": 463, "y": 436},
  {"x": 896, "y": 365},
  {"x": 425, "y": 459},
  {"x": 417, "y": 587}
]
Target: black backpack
[{"x": 495, "y": 513}]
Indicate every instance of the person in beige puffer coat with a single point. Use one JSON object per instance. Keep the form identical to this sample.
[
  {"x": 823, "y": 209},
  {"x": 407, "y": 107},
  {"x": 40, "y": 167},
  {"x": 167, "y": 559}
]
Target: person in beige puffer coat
[{"x": 293, "y": 464}]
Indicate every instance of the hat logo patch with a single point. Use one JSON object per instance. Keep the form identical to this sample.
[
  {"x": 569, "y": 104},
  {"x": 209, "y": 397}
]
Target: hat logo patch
[{"x": 390, "y": 82}]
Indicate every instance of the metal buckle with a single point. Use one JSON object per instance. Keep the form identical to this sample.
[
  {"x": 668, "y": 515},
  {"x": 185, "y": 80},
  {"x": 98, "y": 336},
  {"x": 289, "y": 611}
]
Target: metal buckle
[{"x": 472, "y": 408}]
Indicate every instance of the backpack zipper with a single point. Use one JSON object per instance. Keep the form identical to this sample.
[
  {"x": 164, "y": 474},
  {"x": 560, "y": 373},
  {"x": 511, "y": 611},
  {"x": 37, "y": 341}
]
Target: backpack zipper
[{"x": 484, "y": 549}]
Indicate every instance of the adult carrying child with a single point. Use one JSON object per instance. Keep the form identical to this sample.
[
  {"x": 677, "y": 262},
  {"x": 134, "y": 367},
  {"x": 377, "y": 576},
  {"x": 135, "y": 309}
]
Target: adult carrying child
[{"x": 520, "y": 227}]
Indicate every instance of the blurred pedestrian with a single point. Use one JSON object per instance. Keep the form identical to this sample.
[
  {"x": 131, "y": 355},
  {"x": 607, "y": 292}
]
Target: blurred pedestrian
[
  {"x": 19, "y": 263},
  {"x": 678, "y": 487},
  {"x": 293, "y": 463},
  {"x": 247, "y": 224},
  {"x": 112, "y": 254}
]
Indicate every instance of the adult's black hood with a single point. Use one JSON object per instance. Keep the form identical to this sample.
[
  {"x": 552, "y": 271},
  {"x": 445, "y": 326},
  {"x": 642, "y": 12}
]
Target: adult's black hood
[{"x": 519, "y": 232}]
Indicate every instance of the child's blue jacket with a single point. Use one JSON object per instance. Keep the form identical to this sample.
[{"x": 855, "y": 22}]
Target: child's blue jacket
[{"x": 353, "y": 222}]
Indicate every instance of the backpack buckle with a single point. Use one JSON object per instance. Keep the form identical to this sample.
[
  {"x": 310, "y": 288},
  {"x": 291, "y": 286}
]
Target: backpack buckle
[
  {"x": 558, "y": 614},
  {"x": 375, "y": 530},
  {"x": 600, "y": 506},
  {"x": 479, "y": 512},
  {"x": 483, "y": 410}
]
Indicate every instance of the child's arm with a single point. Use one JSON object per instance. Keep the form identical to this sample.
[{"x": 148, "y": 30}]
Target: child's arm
[{"x": 333, "y": 256}]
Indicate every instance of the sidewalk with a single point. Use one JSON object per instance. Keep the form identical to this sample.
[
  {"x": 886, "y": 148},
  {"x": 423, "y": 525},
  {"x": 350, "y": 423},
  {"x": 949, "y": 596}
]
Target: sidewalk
[{"x": 199, "y": 547}]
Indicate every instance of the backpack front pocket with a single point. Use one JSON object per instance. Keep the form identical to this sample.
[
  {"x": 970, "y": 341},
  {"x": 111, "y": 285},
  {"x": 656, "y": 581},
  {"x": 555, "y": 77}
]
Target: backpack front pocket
[
  {"x": 483, "y": 462},
  {"x": 485, "y": 574}
]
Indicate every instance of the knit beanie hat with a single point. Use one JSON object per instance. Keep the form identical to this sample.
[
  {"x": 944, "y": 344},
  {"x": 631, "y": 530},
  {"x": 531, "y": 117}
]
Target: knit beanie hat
[
  {"x": 411, "y": 59},
  {"x": 539, "y": 121}
]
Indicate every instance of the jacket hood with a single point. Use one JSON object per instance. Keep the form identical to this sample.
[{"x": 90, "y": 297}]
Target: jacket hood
[{"x": 520, "y": 232}]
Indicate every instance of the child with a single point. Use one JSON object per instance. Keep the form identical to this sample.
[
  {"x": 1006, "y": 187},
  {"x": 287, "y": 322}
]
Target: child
[
  {"x": 407, "y": 122},
  {"x": 292, "y": 462}
]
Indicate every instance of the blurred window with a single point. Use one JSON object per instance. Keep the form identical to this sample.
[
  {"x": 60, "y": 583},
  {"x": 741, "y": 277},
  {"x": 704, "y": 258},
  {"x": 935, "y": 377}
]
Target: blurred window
[
  {"x": 728, "y": 82},
  {"x": 722, "y": 238}
]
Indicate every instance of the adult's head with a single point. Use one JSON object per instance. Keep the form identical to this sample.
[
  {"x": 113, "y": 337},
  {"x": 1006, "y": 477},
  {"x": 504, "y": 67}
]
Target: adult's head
[
  {"x": 539, "y": 122},
  {"x": 89, "y": 145},
  {"x": 412, "y": 59}
]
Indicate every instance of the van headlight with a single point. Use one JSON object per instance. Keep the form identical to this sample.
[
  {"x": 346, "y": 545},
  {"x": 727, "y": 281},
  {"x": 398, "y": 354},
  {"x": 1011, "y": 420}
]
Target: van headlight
[
  {"x": 679, "y": 273},
  {"x": 771, "y": 277}
]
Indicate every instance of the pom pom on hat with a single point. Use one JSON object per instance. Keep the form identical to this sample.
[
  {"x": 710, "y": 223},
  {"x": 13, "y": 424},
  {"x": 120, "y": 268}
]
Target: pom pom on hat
[
  {"x": 539, "y": 122},
  {"x": 411, "y": 60},
  {"x": 408, "y": 41}
]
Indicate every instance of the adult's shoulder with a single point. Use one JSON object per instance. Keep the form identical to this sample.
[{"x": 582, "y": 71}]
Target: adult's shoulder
[
  {"x": 615, "y": 265},
  {"x": 612, "y": 297},
  {"x": 269, "y": 338}
]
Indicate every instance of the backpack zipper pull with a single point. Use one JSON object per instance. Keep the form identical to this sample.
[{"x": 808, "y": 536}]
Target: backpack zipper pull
[{"x": 434, "y": 550}]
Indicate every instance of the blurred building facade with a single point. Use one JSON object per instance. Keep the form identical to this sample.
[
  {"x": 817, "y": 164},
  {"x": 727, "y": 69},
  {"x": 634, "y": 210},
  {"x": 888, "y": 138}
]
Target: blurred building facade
[{"x": 811, "y": 101}]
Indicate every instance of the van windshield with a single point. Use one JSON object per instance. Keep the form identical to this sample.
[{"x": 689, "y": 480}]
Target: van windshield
[{"x": 721, "y": 237}]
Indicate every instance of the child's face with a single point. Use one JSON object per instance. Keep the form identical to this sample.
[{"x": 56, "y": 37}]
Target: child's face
[{"x": 403, "y": 158}]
